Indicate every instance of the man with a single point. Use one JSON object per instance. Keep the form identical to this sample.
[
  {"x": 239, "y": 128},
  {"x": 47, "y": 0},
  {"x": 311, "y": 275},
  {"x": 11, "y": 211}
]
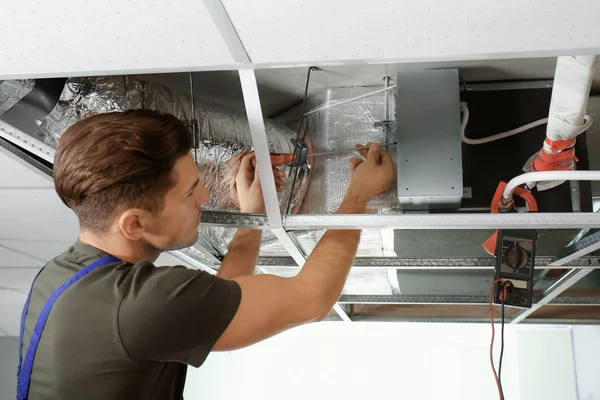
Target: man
[{"x": 103, "y": 322}]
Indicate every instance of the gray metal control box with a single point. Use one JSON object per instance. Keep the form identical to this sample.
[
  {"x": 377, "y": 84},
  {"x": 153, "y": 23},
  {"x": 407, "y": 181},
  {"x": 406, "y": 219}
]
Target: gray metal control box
[{"x": 429, "y": 139}]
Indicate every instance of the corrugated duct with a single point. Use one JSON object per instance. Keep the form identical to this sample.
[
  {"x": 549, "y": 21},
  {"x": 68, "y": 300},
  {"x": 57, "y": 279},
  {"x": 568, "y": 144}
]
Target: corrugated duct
[{"x": 11, "y": 92}]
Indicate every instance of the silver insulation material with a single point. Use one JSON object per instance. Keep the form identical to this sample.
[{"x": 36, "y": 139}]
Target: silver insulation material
[
  {"x": 12, "y": 91},
  {"x": 224, "y": 135},
  {"x": 341, "y": 127}
]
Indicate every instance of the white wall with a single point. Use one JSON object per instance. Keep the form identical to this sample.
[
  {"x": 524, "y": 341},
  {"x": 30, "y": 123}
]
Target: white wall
[
  {"x": 8, "y": 367},
  {"x": 586, "y": 346},
  {"x": 401, "y": 360}
]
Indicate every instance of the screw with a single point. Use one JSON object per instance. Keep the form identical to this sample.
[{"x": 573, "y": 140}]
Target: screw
[{"x": 574, "y": 189}]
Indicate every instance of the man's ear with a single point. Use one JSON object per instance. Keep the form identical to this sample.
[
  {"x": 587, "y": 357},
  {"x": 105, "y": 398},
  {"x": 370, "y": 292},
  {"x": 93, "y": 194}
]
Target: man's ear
[{"x": 131, "y": 224}]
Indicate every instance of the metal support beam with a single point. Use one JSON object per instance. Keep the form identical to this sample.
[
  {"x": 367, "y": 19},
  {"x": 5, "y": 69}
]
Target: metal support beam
[
  {"x": 443, "y": 221},
  {"x": 410, "y": 221},
  {"x": 574, "y": 251},
  {"x": 225, "y": 26},
  {"x": 456, "y": 300},
  {"x": 27, "y": 142},
  {"x": 234, "y": 220},
  {"x": 453, "y": 320},
  {"x": 551, "y": 293},
  {"x": 483, "y": 263}
]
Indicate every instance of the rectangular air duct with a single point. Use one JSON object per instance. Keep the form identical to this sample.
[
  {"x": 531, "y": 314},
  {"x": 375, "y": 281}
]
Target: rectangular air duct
[{"x": 429, "y": 144}]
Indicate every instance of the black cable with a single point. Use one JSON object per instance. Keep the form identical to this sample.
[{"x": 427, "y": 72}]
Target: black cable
[{"x": 503, "y": 295}]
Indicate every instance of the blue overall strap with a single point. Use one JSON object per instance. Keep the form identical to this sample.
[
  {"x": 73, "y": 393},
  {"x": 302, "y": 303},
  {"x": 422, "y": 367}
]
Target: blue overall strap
[{"x": 24, "y": 371}]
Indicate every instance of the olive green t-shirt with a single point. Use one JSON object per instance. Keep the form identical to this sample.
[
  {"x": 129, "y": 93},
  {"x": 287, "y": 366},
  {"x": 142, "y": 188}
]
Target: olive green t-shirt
[{"x": 124, "y": 331}]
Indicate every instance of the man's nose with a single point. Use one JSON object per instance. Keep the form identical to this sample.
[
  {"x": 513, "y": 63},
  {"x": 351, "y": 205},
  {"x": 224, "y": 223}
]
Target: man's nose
[{"x": 203, "y": 196}]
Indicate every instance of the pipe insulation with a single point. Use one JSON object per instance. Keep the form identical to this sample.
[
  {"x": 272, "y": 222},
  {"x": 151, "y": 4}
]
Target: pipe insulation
[
  {"x": 570, "y": 93},
  {"x": 567, "y": 118}
]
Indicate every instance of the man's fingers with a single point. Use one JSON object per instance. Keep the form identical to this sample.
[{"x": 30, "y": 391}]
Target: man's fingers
[
  {"x": 280, "y": 182},
  {"x": 363, "y": 152},
  {"x": 374, "y": 154},
  {"x": 246, "y": 167},
  {"x": 356, "y": 161}
]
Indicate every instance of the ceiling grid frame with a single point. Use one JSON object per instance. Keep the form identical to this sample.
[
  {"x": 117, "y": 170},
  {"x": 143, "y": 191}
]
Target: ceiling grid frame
[{"x": 283, "y": 226}]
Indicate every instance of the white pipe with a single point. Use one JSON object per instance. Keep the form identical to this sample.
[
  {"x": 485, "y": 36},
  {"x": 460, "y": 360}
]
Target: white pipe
[
  {"x": 571, "y": 89},
  {"x": 465, "y": 120},
  {"x": 549, "y": 176}
]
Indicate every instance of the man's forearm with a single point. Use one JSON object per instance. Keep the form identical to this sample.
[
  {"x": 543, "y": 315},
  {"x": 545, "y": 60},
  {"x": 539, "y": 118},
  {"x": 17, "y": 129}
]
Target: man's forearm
[
  {"x": 327, "y": 267},
  {"x": 242, "y": 255}
]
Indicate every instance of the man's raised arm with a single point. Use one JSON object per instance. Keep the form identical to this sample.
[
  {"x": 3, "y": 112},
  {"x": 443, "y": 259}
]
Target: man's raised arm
[{"x": 271, "y": 304}]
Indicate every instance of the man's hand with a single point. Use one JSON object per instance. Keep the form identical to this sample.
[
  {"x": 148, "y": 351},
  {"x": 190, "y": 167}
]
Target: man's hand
[
  {"x": 371, "y": 176},
  {"x": 247, "y": 191}
]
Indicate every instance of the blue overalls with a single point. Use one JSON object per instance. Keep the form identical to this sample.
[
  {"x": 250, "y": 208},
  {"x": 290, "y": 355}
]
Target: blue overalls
[{"x": 25, "y": 366}]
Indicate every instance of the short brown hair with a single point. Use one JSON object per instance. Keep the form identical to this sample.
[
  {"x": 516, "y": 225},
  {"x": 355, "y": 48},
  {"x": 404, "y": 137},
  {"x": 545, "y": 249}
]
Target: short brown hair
[{"x": 109, "y": 162}]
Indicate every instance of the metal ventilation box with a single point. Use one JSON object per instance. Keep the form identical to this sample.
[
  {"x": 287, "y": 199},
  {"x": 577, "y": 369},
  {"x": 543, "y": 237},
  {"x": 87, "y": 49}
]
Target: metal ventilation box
[{"x": 429, "y": 140}]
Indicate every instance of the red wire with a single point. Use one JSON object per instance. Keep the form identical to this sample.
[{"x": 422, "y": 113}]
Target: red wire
[{"x": 493, "y": 334}]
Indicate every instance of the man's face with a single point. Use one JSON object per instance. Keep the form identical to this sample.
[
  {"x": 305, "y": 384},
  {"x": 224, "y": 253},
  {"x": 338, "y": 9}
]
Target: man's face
[{"x": 176, "y": 226}]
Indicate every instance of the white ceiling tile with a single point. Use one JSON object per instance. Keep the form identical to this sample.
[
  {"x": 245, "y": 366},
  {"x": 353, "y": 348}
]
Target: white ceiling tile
[
  {"x": 10, "y": 317},
  {"x": 42, "y": 250},
  {"x": 88, "y": 37},
  {"x": 36, "y": 215},
  {"x": 166, "y": 259},
  {"x": 18, "y": 278},
  {"x": 11, "y": 258},
  {"x": 15, "y": 172},
  {"x": 413, "y": 30}
]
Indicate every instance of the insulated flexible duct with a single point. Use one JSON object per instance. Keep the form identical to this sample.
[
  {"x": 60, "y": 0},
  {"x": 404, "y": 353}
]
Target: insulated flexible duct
[{"x": 11, "y": 92}]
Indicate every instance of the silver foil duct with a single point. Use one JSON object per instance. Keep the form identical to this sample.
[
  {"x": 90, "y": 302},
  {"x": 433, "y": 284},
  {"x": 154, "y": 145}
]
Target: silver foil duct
[
  {"x": 12, "y": 91},
  {"x": 224, "y": 133},
  {"x": 340, "y": 127}
]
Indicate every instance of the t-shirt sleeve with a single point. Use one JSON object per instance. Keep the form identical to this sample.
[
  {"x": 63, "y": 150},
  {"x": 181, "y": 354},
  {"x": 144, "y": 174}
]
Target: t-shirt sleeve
[{"x": 174, "y": 313}]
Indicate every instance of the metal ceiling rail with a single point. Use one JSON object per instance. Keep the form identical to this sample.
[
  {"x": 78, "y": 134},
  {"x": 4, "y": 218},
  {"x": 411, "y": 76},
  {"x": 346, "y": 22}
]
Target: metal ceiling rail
[
  {"x": 487, "y": 263},
  {"x": 443, "y": 221},
  {"x": 546, "y": 321},
  {"x": 409, "y": 221},
  {"x": 234, "y": 220},
  {"x": 26, "y": 141},
  {"x": 456, "y": 300},
  {"x": 578, "y": 249}
]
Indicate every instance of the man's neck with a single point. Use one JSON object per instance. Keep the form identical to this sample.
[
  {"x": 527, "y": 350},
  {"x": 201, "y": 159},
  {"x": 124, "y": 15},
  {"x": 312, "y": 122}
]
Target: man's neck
[{"x": 120, "y": 247}]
